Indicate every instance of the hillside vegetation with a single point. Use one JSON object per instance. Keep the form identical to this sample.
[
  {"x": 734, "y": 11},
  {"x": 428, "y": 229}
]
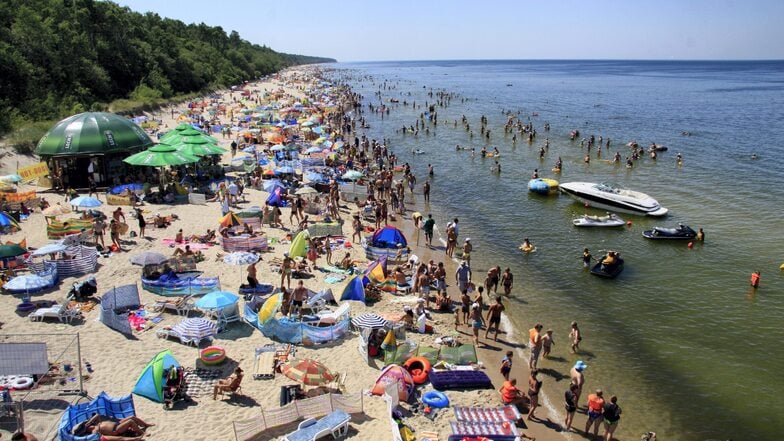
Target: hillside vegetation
[{"x": 60, "y": 57}]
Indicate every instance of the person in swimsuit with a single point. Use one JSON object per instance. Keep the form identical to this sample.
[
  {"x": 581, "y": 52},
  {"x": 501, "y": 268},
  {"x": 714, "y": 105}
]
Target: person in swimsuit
[
  {"x": 534, "y": 386},
  {"x": 285, "y": 270},
  {"x": 299, "y": 296},
  {"x": 506, "y": 365},
  {"x": 476, "y": 321},
  {"x": 252, "y": 280},
  {"x": 465, "y": 307},
  {"x": 570, "y": 403},
  {"x": 112, "y": 428},
  {"x": 595, "y": 412},
  {"x": 494, "y": 317},
  {"x": 612, "y": 414},
  {"x": 547, "y": 343},
  {"x": 507, "y": 278},
  {"x": 142, "y": 222}
]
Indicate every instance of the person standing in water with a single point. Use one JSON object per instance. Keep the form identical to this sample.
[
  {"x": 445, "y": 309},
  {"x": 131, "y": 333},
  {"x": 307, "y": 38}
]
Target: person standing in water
[{"x": 575, "y": 336}]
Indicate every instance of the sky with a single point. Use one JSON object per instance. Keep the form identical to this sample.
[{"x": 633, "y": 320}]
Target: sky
[{"x": 367, "y": 30}]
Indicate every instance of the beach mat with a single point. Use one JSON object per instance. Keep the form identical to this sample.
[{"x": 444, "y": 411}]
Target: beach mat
[
  {"x": 199, "y": 381},
  {"x": 460, "y": 355}
]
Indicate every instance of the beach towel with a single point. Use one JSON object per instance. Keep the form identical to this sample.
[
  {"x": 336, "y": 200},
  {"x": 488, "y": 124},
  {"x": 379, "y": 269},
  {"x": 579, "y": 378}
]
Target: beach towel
[
  {"x": 461, "y": 355},
  {"x": 333, "y": 269},
  {"x": 199, "y": 381},
  {"x": 334, "y": 279}
]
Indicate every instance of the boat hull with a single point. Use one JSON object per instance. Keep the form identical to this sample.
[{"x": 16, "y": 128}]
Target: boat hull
[{"x": 591, "y": 199}]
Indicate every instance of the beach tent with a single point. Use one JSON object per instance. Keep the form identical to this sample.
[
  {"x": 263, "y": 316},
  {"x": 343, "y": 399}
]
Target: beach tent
[
  {"x": 395, "y": 374},
  {"x": 388, "y": 237},
  {"x": 150, "y": 382},
  {"x": 355, "y": 290},
  {"x": 275, "y": 199},
  {"x": 117, "y": 408},
  {"x": 299, "y": 244}
]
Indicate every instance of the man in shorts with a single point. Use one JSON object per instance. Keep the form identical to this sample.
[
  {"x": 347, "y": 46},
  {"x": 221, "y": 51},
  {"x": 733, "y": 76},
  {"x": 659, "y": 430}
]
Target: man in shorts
[
  {"x": 298, "y": 298},
  {"x": 428, "y": 227},
  {"x": 494, "y": 317},
  {"x": 99, "y": 226},
  {"x": 463, "y": 276},
  {"x": 535, "y": 343}
]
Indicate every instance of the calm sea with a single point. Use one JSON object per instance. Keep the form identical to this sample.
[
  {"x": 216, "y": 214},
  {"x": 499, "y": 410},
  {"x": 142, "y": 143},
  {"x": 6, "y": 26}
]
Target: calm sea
[{"x": 689, "y": 348}]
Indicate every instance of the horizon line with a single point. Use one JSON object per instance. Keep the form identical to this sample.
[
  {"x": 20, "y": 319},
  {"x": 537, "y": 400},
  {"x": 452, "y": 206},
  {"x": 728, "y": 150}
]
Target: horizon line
[{"x": 676, "y": 60}]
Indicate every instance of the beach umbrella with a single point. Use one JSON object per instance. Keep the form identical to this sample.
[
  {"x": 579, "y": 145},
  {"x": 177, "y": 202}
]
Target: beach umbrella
[
  {"x": 369, "y": 320},
  {"x": 229, "y": 220},
  {"x": 305, "y": 190},
  {"x": 240, "y": 258},
  {"x": 308, "y": 372},
  {"x": 269, "y": 186},
  {"x": 27, "y": 283},
  {"x": 49, "y": 249},
  {"x": 148, "y": 258},
  {"x": 93, "y": 133},
  {"x": 85, "y": 202},
  {"x": 11, "y": 178},
  {"x": 7, "y": 221},
  {"x": 270, "y": 308},
  {"x": 313, "y": 150},
  {"x": 159, "y": 156},
  {"x": 195, "y": 328},
  {"x": 313, "y": 176},
  {"x": 277, "y": 148},
  {"x": 11, "y": 250},
  {"x": 352, "y": 175},
  {"x": 284, "y": 170},
  {"x": 199, "y": 149},
  {"x": 217, "y": 300},
  {"x": 249, "y": 149}
]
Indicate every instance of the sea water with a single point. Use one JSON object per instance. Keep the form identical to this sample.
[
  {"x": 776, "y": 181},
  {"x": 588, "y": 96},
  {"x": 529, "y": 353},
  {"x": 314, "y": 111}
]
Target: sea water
[{"x": 691, "y": 350}]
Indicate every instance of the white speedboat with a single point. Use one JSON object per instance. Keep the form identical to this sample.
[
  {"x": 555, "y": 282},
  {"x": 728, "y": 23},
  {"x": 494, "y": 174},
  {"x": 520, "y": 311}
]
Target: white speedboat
[
  {"x": 611, "y": 220},
  {"x": 613, "y": 198}
]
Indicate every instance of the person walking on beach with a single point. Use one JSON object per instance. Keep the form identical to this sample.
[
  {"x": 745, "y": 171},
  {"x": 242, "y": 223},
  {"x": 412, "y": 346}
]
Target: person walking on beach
[
  {"x": 595, "y": 410},
  {"x": 494, "y": 317},
  {"x": 356, "y": 225},
  {"x": 491, "y": 281},
  {"x": 535, "y": 343},
  {"x": 534, "y": 386},
  {"x": 426, "y": 191},
  {"x": 612, "y": 415},
  {"x": 507, "y": 278},
  {"x": 467, "y": 248},
  {"x": 463, "y": 277},
  {"x": 428, "y": 227},
  {"x": 578, "y": 379},
  {"x": 142, "y": 222},
  {"x": 298, "y": 298},
  {"x": 98, "y": 231},
  {"x": 506, "y": 364},
  {"x": 285, "y": 270},
  {"x": 570, "y": 403},
  {"x": 575, "y": 336},
  {"x": 476, "y": 321},
  {"x": 465, "y": 306}
]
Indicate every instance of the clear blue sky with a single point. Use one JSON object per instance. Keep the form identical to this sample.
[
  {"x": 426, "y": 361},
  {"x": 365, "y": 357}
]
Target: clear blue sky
[{"x": 368, "y": 30}]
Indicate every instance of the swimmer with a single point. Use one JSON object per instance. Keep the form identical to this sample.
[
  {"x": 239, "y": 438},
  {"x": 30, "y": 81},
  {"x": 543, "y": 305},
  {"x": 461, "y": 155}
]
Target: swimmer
[{"x": 527, "y": 246}]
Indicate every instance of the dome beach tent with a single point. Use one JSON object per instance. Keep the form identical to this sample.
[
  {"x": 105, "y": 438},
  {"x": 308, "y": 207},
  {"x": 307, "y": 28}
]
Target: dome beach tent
[
  {"x": 395, "y": 374},
  {"x": 150, "y": 382},
  {"x": 387, "y": 241},
  {"x": 355, "y": 289}
]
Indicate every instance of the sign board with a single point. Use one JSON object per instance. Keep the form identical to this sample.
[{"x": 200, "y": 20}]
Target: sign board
[{"x": 33, "y": 171}]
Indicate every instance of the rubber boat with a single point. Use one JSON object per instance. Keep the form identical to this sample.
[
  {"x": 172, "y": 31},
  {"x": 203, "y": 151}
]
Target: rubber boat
[
  {"x": 613, "y": 198},
  {"x": 608, "y": 271},
  {"x": 543, "y": 186},
  {"x": 681, "y": 232},
  {"x": 611, "y": 220}
]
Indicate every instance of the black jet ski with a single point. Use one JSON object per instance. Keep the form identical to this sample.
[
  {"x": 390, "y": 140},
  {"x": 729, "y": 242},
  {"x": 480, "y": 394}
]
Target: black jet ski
[
  {"x": 681, "y": 232},
  {"x": 608, "y": 271}
]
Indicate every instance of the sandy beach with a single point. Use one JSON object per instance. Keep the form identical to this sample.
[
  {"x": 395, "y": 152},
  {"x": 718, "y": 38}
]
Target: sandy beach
[{"x": 117, "y": 361}]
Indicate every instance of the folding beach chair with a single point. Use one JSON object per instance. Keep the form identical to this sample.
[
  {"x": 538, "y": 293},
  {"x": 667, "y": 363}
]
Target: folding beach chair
[{"x": 335, "y": 424}]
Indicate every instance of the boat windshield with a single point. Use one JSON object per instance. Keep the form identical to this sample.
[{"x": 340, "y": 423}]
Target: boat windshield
[{"x": 609, "y": 188}]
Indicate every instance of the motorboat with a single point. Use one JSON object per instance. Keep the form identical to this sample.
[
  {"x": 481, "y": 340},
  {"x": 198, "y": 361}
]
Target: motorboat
[
  {"x": 608, "y": 271},
  {"x": 681, "y": 232},
  {"x": 610, "y": 220},
  {"x": 611, "y": 197},
  {"x": 543, "y": 186}
]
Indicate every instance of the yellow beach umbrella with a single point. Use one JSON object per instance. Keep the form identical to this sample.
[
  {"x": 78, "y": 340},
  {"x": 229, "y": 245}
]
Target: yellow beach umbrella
[{"x": 270, "y": 308}]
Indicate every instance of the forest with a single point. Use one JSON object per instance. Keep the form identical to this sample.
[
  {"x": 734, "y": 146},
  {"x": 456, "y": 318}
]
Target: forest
[{"x": 61, "y": 57}]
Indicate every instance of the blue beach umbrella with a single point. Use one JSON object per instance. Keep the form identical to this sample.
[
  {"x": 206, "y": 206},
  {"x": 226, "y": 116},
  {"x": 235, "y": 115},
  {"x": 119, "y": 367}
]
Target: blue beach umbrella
[
  {"x": 249, "y": 149},
  {"x": 7, "y": 221},
  {"x": 240, "y": 258},
  {"x": 284, "y": 170},
  {"x": 85, "y": 202},
  {"x": 11, "y": 178},
  {"x": 217, "y": 300},
  {"x": 313, "y": 150},
  {"x": 271, "y": 185},
  {"x": 27, "y": 283}
]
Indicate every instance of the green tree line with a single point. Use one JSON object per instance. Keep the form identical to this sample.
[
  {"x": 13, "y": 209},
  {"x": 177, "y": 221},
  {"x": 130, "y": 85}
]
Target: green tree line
[{"x": 60, "y": 57}]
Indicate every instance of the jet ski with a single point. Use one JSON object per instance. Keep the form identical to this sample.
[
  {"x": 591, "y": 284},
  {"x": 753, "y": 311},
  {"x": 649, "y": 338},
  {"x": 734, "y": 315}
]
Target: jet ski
[
  {"x": 608, "y": 271},
  {"x": 682, "y": 232},
  {"x": 611, "y": 220}
]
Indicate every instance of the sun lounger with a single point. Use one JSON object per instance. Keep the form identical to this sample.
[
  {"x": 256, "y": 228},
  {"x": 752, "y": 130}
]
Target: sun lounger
[
  {"x": 332, "y": 317},
  {"x": 60, "y": 312},
  {"x": 335, "y": 424},
  {"x": 168, "y": 333},
  {"x": 486, "y": 414},
  {"x": 182, "y": 306},
  {"x": 264, "y": 364}
]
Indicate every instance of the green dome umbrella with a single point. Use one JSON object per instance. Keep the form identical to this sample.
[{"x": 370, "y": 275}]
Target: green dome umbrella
[
  {"x": 199, "y": 148},
  {"x": 174, "y": 136},
  {"x": 11, "y": 250},
  {"x": 93, "y": 133},
  {"x": 159, "y": 156}
]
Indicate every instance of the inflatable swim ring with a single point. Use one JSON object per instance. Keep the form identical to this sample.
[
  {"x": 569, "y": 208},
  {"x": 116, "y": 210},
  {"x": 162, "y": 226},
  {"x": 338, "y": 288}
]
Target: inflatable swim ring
[
  {"x": 556, "y": 170},
  {"x": 435, "y": 399},
  {"x": 212, "y": 355},
  {"x": 21, "y": 383},
  {"x": 419, "y": 367},
  {"x": 530, "y": 249}
]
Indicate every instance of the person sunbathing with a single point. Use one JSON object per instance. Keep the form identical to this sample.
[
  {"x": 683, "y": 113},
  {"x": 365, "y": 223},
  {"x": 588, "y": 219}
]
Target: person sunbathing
[
  {"x": 230, "y": 384},
  {"x": 111, "y": 427},
  {"x": 179, "y": 237},
  {"x": 346, "y": 263},
  {"x": 161, "y": 221}
]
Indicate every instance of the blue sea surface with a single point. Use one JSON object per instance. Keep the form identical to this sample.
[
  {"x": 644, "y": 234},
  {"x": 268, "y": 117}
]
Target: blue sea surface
[{"x": 691, "y": 350}]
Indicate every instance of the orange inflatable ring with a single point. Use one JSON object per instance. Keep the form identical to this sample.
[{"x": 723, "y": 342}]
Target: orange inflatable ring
[
  {"x": 418, "y": 367},
  {"x": 212, "y": 355}
]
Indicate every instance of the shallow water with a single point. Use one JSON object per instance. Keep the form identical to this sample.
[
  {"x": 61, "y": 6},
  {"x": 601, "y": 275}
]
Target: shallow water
[{"x": 689, "y": 348}]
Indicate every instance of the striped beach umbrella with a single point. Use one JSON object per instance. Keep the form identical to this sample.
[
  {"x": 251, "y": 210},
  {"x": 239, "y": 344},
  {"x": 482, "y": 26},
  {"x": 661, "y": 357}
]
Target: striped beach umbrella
[
  {"x": 369, "y": 320},
  {"x": 308, "y": 372},
  {"x": 195, "y": 328},
  {"x": 229, "y": 220}
]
